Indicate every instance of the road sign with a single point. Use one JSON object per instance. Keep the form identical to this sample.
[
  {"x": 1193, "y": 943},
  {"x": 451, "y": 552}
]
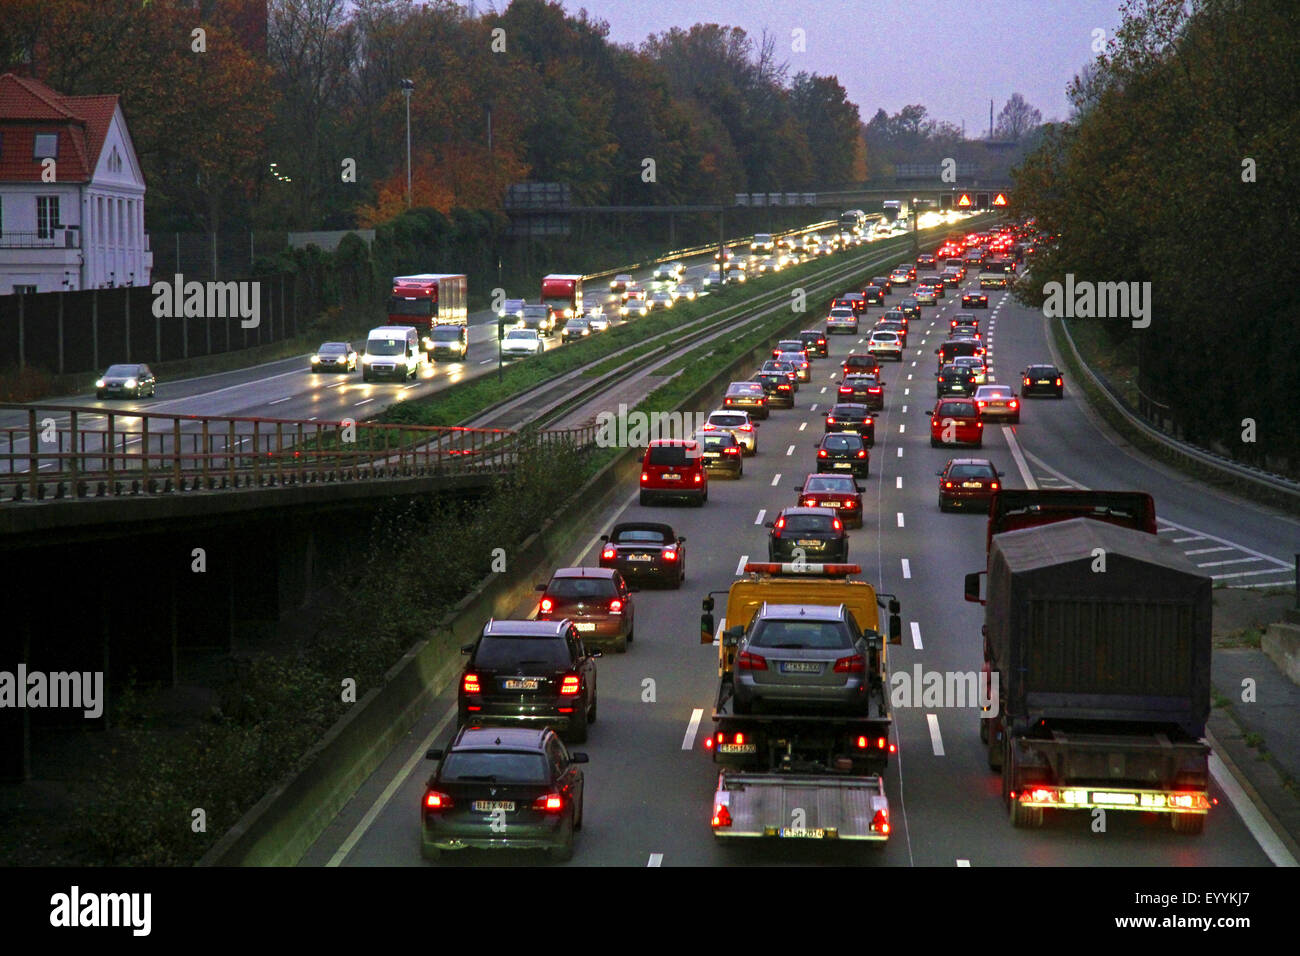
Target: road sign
[
  {"x": 999, "y": 200},
  {"x": 964, "y": 200}
]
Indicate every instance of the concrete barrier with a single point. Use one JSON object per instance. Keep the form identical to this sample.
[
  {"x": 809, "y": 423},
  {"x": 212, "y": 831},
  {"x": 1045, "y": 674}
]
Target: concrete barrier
[{"x": 1281, "y": 642}]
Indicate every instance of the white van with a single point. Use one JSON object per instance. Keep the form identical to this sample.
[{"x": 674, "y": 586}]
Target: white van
[{"x": 392, "y": 351}]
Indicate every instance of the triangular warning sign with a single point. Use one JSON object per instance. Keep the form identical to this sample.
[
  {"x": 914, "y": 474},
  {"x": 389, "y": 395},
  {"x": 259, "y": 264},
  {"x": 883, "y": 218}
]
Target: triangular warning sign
[
  {"x": 999, "y": 200},
  {"x": 964, "y": 200}
]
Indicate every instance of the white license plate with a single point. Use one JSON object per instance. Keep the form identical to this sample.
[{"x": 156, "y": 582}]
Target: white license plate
[
  {"x": 585, "y": 626},
  {"x": 672, "y": 477},
  {"x": 803, "y": 833},
  {"x": 737, "y": 748},
  {"x": 1043, "y": 381},
  {"x": 1125, "y": 799},
  {"x": 830, "y": 504},
  {"x": 805, "y": 543},
  {"x": 639, "y": 557},
  {"x": 516, "y": 684},
  {"x": 800, "y": 667},
  {"x": 487, "y": 806},
  {"x": 971, "y": 484}
]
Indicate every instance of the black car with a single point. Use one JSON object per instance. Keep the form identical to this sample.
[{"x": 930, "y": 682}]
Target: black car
[
  {"x": 503, "y": 788},
  {"x": 910, "y": 307},
  {"x": 815, "y": 535},
  {"x": 854, "y": 418},
  {"x": 127, "y": 381},
  {"x": 864, "y": 389},
  {"x": 645, "y": 551},
  {"x": 974, "y": 300},
  {"x": 883, "y": 283},
  {"x": 777, "y": 387},
  {"x": 936, "y": 283},
  {"x": 954, "y": 380},
  {"x": 965, "y": 320},
  {"x": 722, "y": 453},
  {"x": 874, "y": 295},
  {"x": 1039, "y": 379},
  {"x": 530, "y": 672},
  {"x": 840, "y": 451},
  {"x": 749, "y": 396},
  {"x": 814, "y": 343}
]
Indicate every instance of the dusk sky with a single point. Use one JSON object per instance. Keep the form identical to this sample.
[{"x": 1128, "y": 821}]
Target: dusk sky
[{"x": 952, "y": 57}]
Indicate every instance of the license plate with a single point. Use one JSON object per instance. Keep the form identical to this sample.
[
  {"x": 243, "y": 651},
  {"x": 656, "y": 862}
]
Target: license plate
[
  {"x": 1126, "y": 799},
  {"x": 712, "y": 454},
  {"x": 639, "y": 557},
  {"x": 809, "y": 544},
  {"x": 487, "y": 806},
  {"x": 737, "y": 748},
  {"x": 585, "y": 626},
  {"x": 803, "y": 833},
  {"x": 529, "y": 684},
  {"x": 801, "y": 667},
  {"x": 843, "y": 464},
  {"x": 971, "y": 484},
  {"x": 830, "y": 504},
  {"x": 1044, "y": 381},
  {"x": 672, "y": 477}
]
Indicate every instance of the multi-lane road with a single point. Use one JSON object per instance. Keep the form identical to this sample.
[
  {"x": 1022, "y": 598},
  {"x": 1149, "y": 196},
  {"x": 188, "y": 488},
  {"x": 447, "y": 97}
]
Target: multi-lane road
[{"x": 650, "y": 783}]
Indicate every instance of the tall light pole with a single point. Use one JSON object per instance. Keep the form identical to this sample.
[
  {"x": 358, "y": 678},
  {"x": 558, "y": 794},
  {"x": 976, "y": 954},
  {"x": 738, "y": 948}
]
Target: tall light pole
[{"x": 407, "y": 88}]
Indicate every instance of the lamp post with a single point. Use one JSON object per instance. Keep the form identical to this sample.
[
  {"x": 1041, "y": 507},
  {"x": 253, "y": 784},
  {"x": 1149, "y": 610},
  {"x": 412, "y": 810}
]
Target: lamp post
[{"x": 407, "y": 88}]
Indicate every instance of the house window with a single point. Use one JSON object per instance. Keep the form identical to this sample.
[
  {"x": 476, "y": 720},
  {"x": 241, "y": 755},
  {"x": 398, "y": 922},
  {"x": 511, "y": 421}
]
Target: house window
[
  {"x": 115, "y": 161},
  {"x": 24, "y": 290},
  {"x": 47, "y": 216},
  {"x": 47, "y": 146}
]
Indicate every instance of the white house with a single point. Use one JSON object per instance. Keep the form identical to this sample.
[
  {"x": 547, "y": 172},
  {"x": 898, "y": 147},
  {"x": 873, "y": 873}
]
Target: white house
[{"x": 71, "y": 192}]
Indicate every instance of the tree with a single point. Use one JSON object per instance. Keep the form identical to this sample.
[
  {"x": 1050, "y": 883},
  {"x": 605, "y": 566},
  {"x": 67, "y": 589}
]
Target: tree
[
  {"x": 829, "y": 123},
  {"x": 1016, "y": 119}
]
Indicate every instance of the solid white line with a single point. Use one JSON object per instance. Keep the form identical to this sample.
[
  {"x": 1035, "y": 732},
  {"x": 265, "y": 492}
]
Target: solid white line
[
  {"x": 1025, "y": 474},
  {"x": 1246, "y": 574},
  {"x": 1249, "y": 813},
  {"x": 935, "y": 738},
  {"x": 900, "y": 519},
  {"x": 655, "y": 859},
  {"x": 1195, "y": 537},
  {"x": 365, "y": 402},
  {"x": 907, "y": 568},
  {"x": 775, "y": 479},
  {"x": 762, "y": 513},
  {"x": 916, "y": 636},
  {"x": 486, "y": 361},
  {"x": 692, "y": 728},
  {"x": 740, "y": 565}
]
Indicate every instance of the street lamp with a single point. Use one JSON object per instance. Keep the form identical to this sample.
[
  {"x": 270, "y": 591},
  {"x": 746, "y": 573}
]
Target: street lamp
[{"x": 407, "y": 88}]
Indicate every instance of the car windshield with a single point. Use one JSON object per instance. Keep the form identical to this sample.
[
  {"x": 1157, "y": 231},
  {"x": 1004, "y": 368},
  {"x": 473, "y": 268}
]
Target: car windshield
[
  {"x": 956, "y": 410},
  {"x": 494, "y": 766},
  {"x": 837, "y": 484},
  {"x": 127, "y": 370},
  {"x": 522, "y": 335},
  {"x": 332, "y": 348},
  {"x": 970, "y": 471},
  {"x": 446, "y": 333},
  {"x": 673, "y": 455},
  {"x": 801, "y": 635},
  {"x": 575, "y": 588},
  {"x": 835, "y": 442},
  {"x": 386, "y": 346},
  {"x": 510, "y": 652},
  {"x": 535, "y": 311}
]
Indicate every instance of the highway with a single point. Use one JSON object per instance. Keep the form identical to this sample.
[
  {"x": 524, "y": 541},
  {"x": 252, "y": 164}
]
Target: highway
[{"x": 650, "y": 782}]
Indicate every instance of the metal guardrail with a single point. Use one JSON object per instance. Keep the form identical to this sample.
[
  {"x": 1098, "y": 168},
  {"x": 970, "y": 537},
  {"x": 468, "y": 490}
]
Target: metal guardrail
[
  {"x": 78, "y": 453},
  {"x": 1277, "y": 484}
]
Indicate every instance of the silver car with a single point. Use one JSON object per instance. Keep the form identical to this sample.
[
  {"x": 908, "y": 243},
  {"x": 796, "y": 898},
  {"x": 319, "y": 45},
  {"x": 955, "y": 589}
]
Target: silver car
[
  {"x": 998, "y": 403},
  {"x": 738, "y": 423},
  {"x": 802, "y": 657},
  {"x": 842, "y": 320}
]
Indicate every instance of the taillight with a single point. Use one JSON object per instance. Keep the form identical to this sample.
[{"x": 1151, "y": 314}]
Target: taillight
[
  {"x": 645, "y": 476},
  {"x": 470, "y": 685},
  {"x": 783, "y": 388},
  {"x": 616, "y": 606},
  {"x": 698, "y": 478},
  {"x": 731, "y": 451},
  {"x": 433, "y": 800},
  {"x": 850, "y": 505},
  {"x": 830, "y": 420},
  {"x": 780, "y": 523},
  {"x": 546, "y": 605},
  {"x": 549, "y": 803},
  {"x": 569, "y": 686},
  {"x": 845, "y": 390},
  {"x": 862, "y": 453},
  {"x": 1058, "y": 381},
  {"x": 746, "y": 661},
  {"x": 1014, "y": 403},
  {"x": 880, "y": 822},
  {"x": 608, "y": 553},
  {"x": 836, "y": 525},
  {"x": 821, "y": 453},
  {"x": 874, "y": 391},
  {"x": 1027, "y": 382},
  {"x": 856, "y": 664},
  {"x": 746, "y": 428},
  {"x": 810, "y": 502},
  {"x": 947, "y": 484}
]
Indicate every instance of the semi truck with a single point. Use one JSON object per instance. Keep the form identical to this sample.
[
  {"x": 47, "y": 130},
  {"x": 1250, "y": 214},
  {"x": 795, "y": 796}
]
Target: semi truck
[
  {"x": 1097, "y": 672},
  {"x": 563, "y": 293},
  {"x": 1014, "y": 508},
  {"x": 429, "y": 299},
  {"x": 800, "y": 768}
]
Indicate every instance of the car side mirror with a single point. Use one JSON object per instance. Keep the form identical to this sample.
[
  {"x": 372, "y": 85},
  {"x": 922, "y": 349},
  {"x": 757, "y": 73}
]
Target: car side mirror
[
  {"x": 858, "y": 488},
  {"x": 433, "y": 753},
  {"x": 769, "y": 524},
  {"x": 467, "y": 649},
  {"x": 579, "y": 758},
  {"x": 1001, "y": 473},
  {"x": 681, "y": 540},
  {"x": 604, "y": 537},
  {"x": 732, "y": 635}
]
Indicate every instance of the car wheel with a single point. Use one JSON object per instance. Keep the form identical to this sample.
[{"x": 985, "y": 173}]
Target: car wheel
[
  {"x": 645, "y": 498},
  {"x": 943, "y": 505},
  {"x": 577, "y": 823},
  {"x": 578, "y": 734},
  {"x": 591, "y": 714},
  {"x": 620, "y": 645},
  {"x": 99, "y": 394},
  {"x": 430, "y": 853},
  {"x": 563, "y": 851}
]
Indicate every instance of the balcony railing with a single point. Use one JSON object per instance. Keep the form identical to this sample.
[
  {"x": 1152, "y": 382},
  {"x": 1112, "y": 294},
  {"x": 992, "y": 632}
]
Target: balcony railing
[{"x": 58, "y": 238}]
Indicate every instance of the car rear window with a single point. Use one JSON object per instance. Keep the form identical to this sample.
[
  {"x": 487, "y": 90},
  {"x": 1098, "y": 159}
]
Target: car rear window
[
  {"x": 841, "y": 313},
  {"x": 711, "y": 442},
  {"x": 994, "y": 393},
  {"x": 495, "y": 652},
  {"x": 842, "y": 485},
  {"x": 970, "y": 471},
  {"x": 837, "y": 442},
  {"x": 804, "y": 635},
  {"x": 727, "y": 421},
  {"x": 671, "y": 455},
  {"x": 956, "y": 410},
  {"x": 639, "y": 536},
  {"x": 495, "y": 766},
  {"x": 574, "y": 588},
  {"x": 800, "y": 523}
]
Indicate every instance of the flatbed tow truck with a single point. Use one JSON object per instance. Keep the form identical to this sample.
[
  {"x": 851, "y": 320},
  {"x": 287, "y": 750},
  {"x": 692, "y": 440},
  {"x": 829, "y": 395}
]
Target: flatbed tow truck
[{"x": 794, "y": 774}]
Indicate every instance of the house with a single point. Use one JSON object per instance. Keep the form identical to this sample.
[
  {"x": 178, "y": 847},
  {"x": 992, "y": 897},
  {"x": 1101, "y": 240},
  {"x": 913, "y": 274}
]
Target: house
[{"x": 71, "y": 192}]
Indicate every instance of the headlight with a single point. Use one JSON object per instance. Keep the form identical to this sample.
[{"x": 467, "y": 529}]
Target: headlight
[
  {"x": 315, "y": 360},
  {"x": 131, "y": 383},
  {"x": 99, "y": 383}
]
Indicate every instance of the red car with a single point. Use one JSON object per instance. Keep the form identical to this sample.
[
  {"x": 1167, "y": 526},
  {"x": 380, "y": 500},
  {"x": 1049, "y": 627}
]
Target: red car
[
  {"x": 674, "y": 468},
  {"x": 598, "y": 602},
  {"x": 840, "y": 492},
  {"x": 956, "y": 421},
  {"x": 965, "y": 480},
  {"x": 860, "y": 363}
]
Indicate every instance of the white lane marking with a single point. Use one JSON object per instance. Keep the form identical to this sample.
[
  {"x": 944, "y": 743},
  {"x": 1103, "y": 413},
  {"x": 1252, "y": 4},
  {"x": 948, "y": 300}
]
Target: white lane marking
[
  {"x": 1163, "y": 530},
  {"x": 916, "y": 636},
  {"x": 898, "y": 482},
  {"x": 486, "y": 361},
  {"x": 900, "y": 519},
  {"x": 802, "y": 426},
  {"x": 1246, "y": 809},
  {"x": 740, "y": 565},
  {"x": 904, "y": 409},
  {"x": 936, "y": 739},
  {"x": 312, "y": 419},
  {"x": 280, "y": 401},
  {"x": 1204, "y": 550},
  {"x": 364, "y": 402},
  {"x": 1215, "y": 564},
  {"x": 901, "y": 429},
  {"x": 907, "y": 391},
  {"x": 775, "y": 479},
  {"x": 811, "y": 408},
  {"x": 900, "y": 452},
  {"x": 1195, "y": 537},
  {"x": 909, "y": 376},
  {"x": 961, "y": 862},
  {"x": 823, "y": 391},
  {"x": 907, "y": 568},
  {"x": 762, "y": 513},
  {"x": 717, "y": 635},
  {"x": 692, "y": 728},
  {"x": 1023, "y": 466},
  {"x": 789, "y": 451},
  {"x": 655, "y": 859}
]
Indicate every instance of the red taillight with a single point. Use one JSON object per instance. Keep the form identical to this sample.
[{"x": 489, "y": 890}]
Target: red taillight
[
  {"x": 874, "y": 391},
  {"x": 1058, "y": 381},
  {"x": 549, "y": 803},
  {"x": 698, "y": 478},
  {"x": 857, "y": 664},
  {"x": 433, "y": 800},
  {"x": 746, "y": 428},
  {"x": 1027, "y": 382},
  {"x": 862, "y": 453},
  {"x": 830, "y": 420},
  {"x": 608, "y": 554},
  {"x": 947, "y": 484},
  {"x": 731, "y": 451},
  {"x": 569, "y": 686},
  {"x": 739, "y": 738},
  {"x": 836, "y": 525},
  {"x": 546, "y": 605},
  {"x": 1014, "y": 403},
  {"x": 821, "y": 341},
  {"x": 821, "y": 453},
  {"x": 616, "y": 606},
  {"x": 780, "y": 523},
  {"x": 845, "y": 390},
  {"x": 994, "y": 485},
  {"x": 721, "y": 816},
  {"x": 746, "y": 661},
  {"x": 645, "y": 476},
  {"x": 850, "y": 505},
  {"x": 670, "y": 554},
  {"x": 470, "y": 685},
  {"x": 783, "y": 388}
]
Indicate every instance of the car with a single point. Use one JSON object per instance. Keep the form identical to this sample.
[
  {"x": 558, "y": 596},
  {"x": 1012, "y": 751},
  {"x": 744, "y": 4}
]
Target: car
[
  {"x": 852, "y": 417},
  {"x": 722, "y": 453},
  {"x": 964, "y": 480},
  {"x": 765, "y": 264},
  {"x": 674, "y": 468},
  {"x": 126, "y": 381},
  {"x": 911, "y": 307},
  {"x": 862, "y": 389},
  {"x": 536, "y": 673},
  {"x": 738, "y": 425},
  {"x": 956, "y": 265},
  {"x": 900, "y": 277},
  {"x": 736, "y": 275},
  {"x": 926, "y": 294},
  {"x": 993, "y": 280},
  {"x": 954, "y": 379},
  {"x": 779, "y": 365},
  {"x": 503, "y": 788},
  {"x": 964, "y": 320},
  {"x": 710, "y": 282},
  {"x": 974, "y": 257},
  {"x": 950, "y": 278},
  {"x": 749, "y": 396},
  {"x": 874, "y": 294},
  {"x": 668, "y": 272},
  {"x": 778, "y": 388},
  {"x": 513, "y": 310},
  {"x": 724, "y": 254},
  {"x": 998, "y": 402},
  {"x": 965, "y": 332},
  {"x": 620, "y": 282},
  {"x": 807, "y": 534},
  {"x": 975, "y": 363},
  {"x": 575, "y": 329},
  {"x": 935, "y": 283},
  {"x": 660, "y": 300},
  {"x": 889, "y": 325},
  {"x": 447, "y": 341},
  {"x": 911, "y": 269},
  {"x": 801, "y": 657},
  {"x": 860, "y": 363},
  {"x": 925, "y": 260},
  {"x": 539, "y": 316},
  {"x": 853, "y": 300},
  {"x": 644, "y": 551},
  {"x": 842, "y": 319},
  {"x": 956, "y": 421},
  {"x": 789, "y": 345},
  {"x": 841, "y": 493},
  {"x": 335, "y": 357},
  {"x": 598, "y": 602},
  {"x": 1002, "y": 264},
  {"x": 597, "y": 320},
  {"x": 1036, "y": 379},
  {"x": 974, "y": 300},
  {"x": 802, "y": 367},
  {"x": 519, "y": 343},
  {"x": 882, "y": 282},
  {"x": 686, "y": 290},
  {"x": 843, "y": 451},
  {"x": 814, "y": 343},
  {"x": 884, "y": 342},
  {"x": 635, "y": 304},
  {"x": 952, "y": 348}
]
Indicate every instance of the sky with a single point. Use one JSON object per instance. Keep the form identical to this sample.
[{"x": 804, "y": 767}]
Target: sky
[{"x": 951, "y": 56}]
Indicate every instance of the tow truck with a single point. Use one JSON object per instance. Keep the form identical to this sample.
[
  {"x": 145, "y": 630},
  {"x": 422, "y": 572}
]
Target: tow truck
[{"x": 810, "y": 775}]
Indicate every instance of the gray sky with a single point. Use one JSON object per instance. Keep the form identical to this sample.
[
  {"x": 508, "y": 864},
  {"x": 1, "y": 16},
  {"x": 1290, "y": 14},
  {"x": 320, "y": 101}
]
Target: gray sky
[{"x": 952, "y": 56}]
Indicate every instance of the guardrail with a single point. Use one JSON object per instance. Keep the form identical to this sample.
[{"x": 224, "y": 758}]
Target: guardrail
[
  {"x": 77, "y": 453},
  {"x": 1264, "y": 480}
]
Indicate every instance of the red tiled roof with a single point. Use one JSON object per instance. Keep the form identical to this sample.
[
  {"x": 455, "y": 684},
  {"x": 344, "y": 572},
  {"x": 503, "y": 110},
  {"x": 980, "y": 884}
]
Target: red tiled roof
[{"x": 28, "y": 106}]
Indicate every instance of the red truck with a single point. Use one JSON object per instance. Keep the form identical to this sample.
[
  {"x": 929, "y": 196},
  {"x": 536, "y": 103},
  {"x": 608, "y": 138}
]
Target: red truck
[
  {"x": 429, "y": 299},
  {"x": 563, "y": 293}
]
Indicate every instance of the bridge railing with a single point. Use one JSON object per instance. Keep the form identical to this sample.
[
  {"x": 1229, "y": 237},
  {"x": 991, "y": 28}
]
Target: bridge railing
[{"x": 70, "y": 452}]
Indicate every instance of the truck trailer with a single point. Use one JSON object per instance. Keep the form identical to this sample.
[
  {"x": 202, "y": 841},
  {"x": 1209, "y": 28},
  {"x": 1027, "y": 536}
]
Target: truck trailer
[
  {"x": 1097, "y": 667},
  {"x": 429, "y": 299},
  {"x": 563, "y": 293}
]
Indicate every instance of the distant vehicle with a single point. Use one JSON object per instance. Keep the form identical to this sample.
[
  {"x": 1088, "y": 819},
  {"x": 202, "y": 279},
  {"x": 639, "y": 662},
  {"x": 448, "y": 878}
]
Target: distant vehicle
[
  {"x": 686, "y": 290},
  {"x": 541, "y": 317},
  {"x": 974, "y": 300},
  {"x": 862, "y": 389},
  {"x": 852, "y": 417},
  {"x": 512, "y": 312},
  {"x": 1041, "y": 378},
  {"x": 762, "y": 242},
  {"x": 126, "y": 381},
  {"x": 738, "y": 425},
  {"x": 597, "y": 320},
  {"x": 965, "y": 480},
  {"x": 392, "y": 351},
  {"x": 749, "y": 396},
  {"x": 619, "y": 282},
  {"x": 668, "y": 272},
  {"x": 954, "y": 380},
  {"x": 815, "y": 534},
  {"x": 645, "y": 551},
  {"x": 842, "y": 320},
  {"x": 900, "y": 277},
  {"x": 335, "y": 357},
  {"x": 635, "y": 304},
  {"x": 519, "y": 343},
  {"x": 660, "y": 300},
  {"x": 976, "y": 365},
  {"x": 814, "y": 343},
  {"x": 674, "y": 468},
  {"x": 575, "y": 329},
  {"x": 778, "y": 388},
  {"x": 722, "y": 453},
  {"x": 956, "y": 421},
  {"x": 428, "y": 300}
]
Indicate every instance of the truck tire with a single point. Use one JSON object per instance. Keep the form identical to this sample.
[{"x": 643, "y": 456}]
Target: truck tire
[
  {"x": 1188, "y": 824},
  {"x": 1026, "y": 818}
]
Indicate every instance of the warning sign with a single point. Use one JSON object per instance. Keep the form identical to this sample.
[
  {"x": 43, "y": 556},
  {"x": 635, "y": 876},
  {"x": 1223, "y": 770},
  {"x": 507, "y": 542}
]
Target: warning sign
[
  {"x": 999, "y": 200},
  {"x": 963, "y": 199}
]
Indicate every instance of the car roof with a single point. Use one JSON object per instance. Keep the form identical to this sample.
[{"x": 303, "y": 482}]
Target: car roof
[
  {"x": 801, "y": 510},
  {"x": 500, "y": 738},
  {"x": 957, "y": 400},
  {"x": 850, "y": 405},
  {"x": 521, "y": 628},
  {"x": 970, "y": 461},
  {"x": 663, "y": 529},
  {"x": 687, "y": 443},
  {"x": 829, "y": 474},
  {"x": 605, "y": 573},
  {"x": 816, "y": 612}
]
